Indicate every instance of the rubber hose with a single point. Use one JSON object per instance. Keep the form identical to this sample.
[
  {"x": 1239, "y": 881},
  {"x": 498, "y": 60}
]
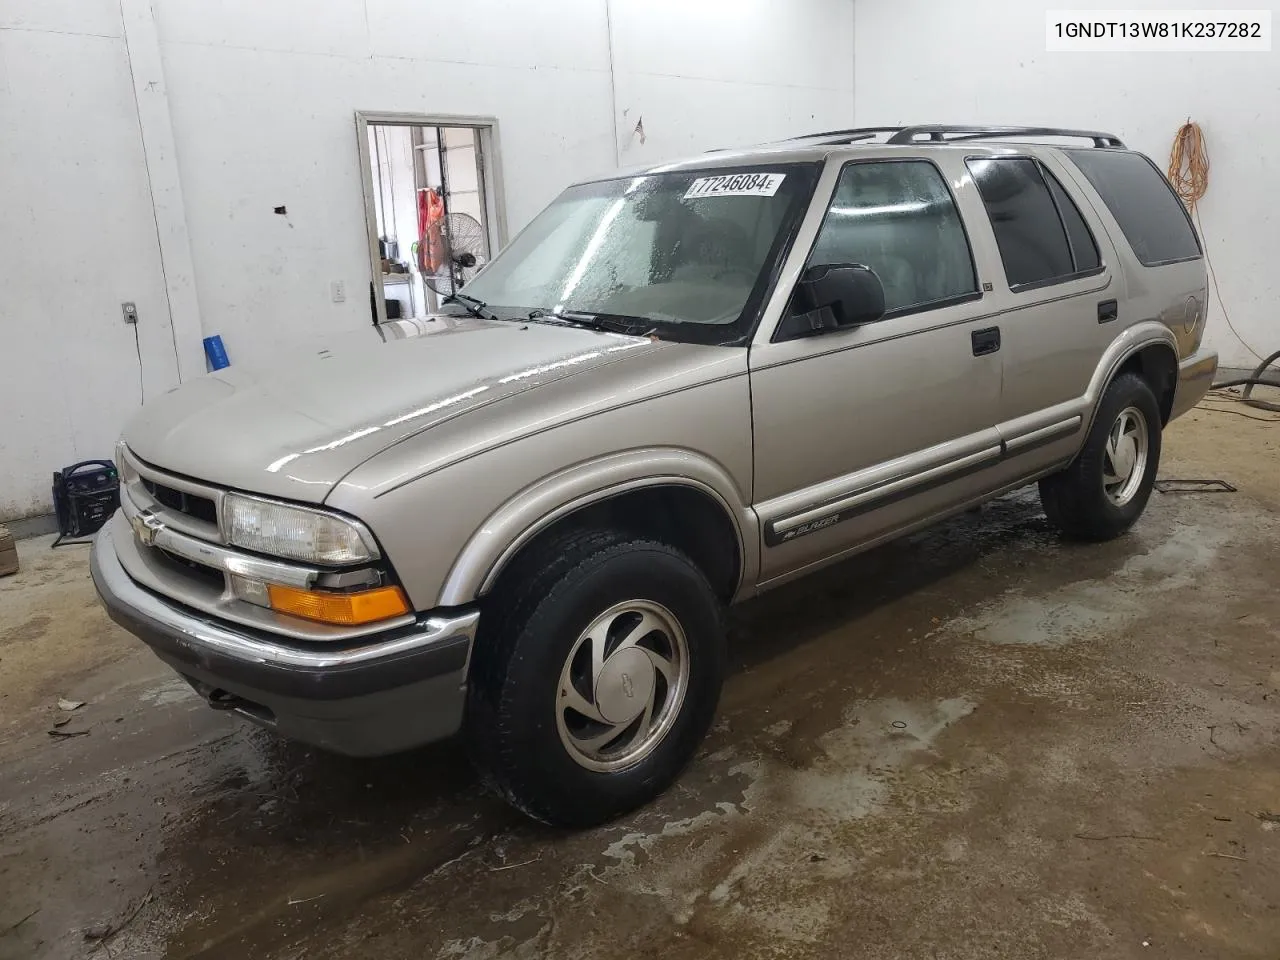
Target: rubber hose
[{"x": 1255, "y": 380}]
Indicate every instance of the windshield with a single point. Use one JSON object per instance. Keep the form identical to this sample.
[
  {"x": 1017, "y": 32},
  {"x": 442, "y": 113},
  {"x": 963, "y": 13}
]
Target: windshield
[{"x": 687, "y": 254}]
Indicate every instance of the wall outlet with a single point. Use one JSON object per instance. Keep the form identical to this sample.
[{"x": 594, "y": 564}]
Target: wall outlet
[
  {"x": 338, "y": 291},
  {"x": 130, "y": 311}
]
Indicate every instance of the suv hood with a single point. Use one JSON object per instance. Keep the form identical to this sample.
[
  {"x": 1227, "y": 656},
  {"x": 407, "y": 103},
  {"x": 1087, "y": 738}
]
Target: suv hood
[{"x": 294, "y": 427}]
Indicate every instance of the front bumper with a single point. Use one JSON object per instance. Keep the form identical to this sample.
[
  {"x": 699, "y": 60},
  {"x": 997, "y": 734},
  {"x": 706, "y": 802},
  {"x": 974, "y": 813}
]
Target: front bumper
[
  {"x": 1195, "y": 377},
  {"x": 380, "y": 694}
]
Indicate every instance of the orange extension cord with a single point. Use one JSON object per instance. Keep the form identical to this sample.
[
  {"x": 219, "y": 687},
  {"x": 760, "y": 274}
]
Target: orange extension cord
[
  {"x": 1189, "y": 174},
  {"x": 1189, "y": 165}
]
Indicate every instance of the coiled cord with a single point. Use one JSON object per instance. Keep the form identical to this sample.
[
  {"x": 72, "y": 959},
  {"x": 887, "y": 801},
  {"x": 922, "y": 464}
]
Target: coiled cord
[
  {"x": 1189, "y": 165},
  {"x": 1189, "y": 175}
]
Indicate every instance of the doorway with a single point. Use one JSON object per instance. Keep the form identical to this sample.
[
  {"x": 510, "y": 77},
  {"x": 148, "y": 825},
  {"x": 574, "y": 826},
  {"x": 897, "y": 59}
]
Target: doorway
[{"x": 433, "y": 207}]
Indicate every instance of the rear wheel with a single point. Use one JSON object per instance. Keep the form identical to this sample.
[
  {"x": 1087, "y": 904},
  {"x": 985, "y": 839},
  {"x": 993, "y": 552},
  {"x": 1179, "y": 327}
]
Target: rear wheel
[
  {"x": 1106, "y": 488},
  {"x": 595, "y": 678}
]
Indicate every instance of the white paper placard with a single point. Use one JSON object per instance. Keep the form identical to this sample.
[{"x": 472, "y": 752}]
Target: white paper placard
[{"x": 736, "y": 185}]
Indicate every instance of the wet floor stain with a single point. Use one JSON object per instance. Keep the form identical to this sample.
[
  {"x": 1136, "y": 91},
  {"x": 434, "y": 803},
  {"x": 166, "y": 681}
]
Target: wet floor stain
[
  {"x": 1088, "y": 609},
  {"x": 32, "y": 629}
]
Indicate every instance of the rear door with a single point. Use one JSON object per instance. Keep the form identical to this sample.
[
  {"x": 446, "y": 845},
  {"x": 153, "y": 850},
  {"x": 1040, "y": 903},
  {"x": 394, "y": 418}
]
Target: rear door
[{"x": 1058, "y": 294}]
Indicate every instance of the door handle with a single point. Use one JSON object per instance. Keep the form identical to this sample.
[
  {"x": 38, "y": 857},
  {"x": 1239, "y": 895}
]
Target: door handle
[
  {"x": 985, "y": 341},
  {"x": 1108, "y": 310}
]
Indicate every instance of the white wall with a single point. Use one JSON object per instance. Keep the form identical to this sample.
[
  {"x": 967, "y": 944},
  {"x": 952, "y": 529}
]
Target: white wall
[
  {"x": 77, "y": 237},
  {"x": 722, "y": 73},
  {"x": 261, "y": 98},
  {"x": 984, "y": 61}
]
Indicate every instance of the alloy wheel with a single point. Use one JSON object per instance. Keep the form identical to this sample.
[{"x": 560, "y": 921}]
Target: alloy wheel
[
  {"x": 622, "y": 685},
  {"x": 1125, "y": 456}
]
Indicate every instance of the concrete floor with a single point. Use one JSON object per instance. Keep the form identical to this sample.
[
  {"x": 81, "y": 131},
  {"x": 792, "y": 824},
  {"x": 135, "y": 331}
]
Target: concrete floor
[{"x": 979, "y": 742}]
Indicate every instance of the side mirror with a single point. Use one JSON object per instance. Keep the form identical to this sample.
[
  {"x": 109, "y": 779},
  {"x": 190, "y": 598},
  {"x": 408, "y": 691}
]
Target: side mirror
[{"x": 834, "y": 296}]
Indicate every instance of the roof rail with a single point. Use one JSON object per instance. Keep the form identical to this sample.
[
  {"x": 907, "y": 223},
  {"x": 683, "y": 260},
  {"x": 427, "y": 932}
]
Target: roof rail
[
  {"x": 942, "y": 133},
  {"x": 828, "y": 138},
  {"x": 946, "y": 133},
  {"x": 845, "y": 136}
]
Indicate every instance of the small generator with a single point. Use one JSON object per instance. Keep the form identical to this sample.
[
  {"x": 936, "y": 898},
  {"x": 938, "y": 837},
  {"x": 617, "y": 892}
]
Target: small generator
[{"x": 85, "y": 495}]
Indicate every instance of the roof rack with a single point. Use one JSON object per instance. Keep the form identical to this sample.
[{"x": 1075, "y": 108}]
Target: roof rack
[
  {"x": 942, "y": 133},
  {"x": 829, "y": 137},
  {"x": 947, "y": 133},
  {"x": 852, "y": 135}
]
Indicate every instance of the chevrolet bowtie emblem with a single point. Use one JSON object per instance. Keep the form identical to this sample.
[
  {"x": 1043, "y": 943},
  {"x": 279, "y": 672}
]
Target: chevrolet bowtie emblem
[{"x": 146, "y": 527}]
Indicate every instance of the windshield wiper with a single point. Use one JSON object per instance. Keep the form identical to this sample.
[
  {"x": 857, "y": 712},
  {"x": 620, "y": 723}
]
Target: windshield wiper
[
  {"x": 604, "y": 322},
  {"x": 477, "y": 308}
]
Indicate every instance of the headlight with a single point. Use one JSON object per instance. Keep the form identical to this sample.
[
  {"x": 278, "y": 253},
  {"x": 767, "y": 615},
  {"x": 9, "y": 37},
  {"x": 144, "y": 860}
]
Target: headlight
[{"x": 295, "y": 533}]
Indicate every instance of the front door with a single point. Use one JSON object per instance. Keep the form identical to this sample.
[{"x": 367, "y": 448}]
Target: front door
[{"x": 861, "y": 431}]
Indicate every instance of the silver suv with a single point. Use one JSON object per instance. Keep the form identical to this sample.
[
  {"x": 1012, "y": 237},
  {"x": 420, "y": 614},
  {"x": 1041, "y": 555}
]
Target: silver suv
[{"x": 676, "y": 388}]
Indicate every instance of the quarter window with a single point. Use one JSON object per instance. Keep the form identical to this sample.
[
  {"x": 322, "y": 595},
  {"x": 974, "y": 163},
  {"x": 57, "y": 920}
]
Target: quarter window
[
  {"x": 1148, "y": 211},
  {"x": 898, "y": 218}
]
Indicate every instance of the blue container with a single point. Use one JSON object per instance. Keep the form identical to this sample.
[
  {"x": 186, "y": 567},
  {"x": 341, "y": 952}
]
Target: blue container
[{"x": 216, "y": 353}]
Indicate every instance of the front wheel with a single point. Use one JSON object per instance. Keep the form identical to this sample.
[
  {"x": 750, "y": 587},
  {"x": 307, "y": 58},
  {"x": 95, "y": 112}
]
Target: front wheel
[
  {"x": 597, "y": 678},
  {"x": 1106, "y": 488}
]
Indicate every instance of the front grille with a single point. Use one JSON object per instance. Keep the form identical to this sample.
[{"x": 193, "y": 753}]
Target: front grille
[{"x": 201, "y": 508}]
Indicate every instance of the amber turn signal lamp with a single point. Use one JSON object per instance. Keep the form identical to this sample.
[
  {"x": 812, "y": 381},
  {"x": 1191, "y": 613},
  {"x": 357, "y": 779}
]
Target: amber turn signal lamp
[{"x": 341, "y": 609}]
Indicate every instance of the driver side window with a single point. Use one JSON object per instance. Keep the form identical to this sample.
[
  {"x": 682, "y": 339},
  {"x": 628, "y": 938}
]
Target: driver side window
[{"x": 898, "y": 218}]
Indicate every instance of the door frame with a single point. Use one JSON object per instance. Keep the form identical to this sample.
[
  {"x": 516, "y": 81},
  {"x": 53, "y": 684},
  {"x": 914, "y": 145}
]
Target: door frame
[{"x": 490, "y": 178}]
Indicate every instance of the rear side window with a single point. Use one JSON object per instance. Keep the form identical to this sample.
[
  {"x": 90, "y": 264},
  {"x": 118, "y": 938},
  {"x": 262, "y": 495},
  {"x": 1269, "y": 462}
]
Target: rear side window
[
  {"x": 1146, "y": 208},
  {"x": 897, "y": 217},
  {"x": 1029, "y": 232}
]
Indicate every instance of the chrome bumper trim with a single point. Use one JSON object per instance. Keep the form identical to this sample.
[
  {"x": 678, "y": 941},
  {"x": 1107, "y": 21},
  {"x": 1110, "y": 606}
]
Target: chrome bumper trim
[
  {"x": 166, "y": 576},
  {"x": 205, "y": 636}
]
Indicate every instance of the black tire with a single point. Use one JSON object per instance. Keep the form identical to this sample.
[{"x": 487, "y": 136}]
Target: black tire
[
  {"x": 528, "y": 632},
  {"x": 1075, "y": 500}
]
